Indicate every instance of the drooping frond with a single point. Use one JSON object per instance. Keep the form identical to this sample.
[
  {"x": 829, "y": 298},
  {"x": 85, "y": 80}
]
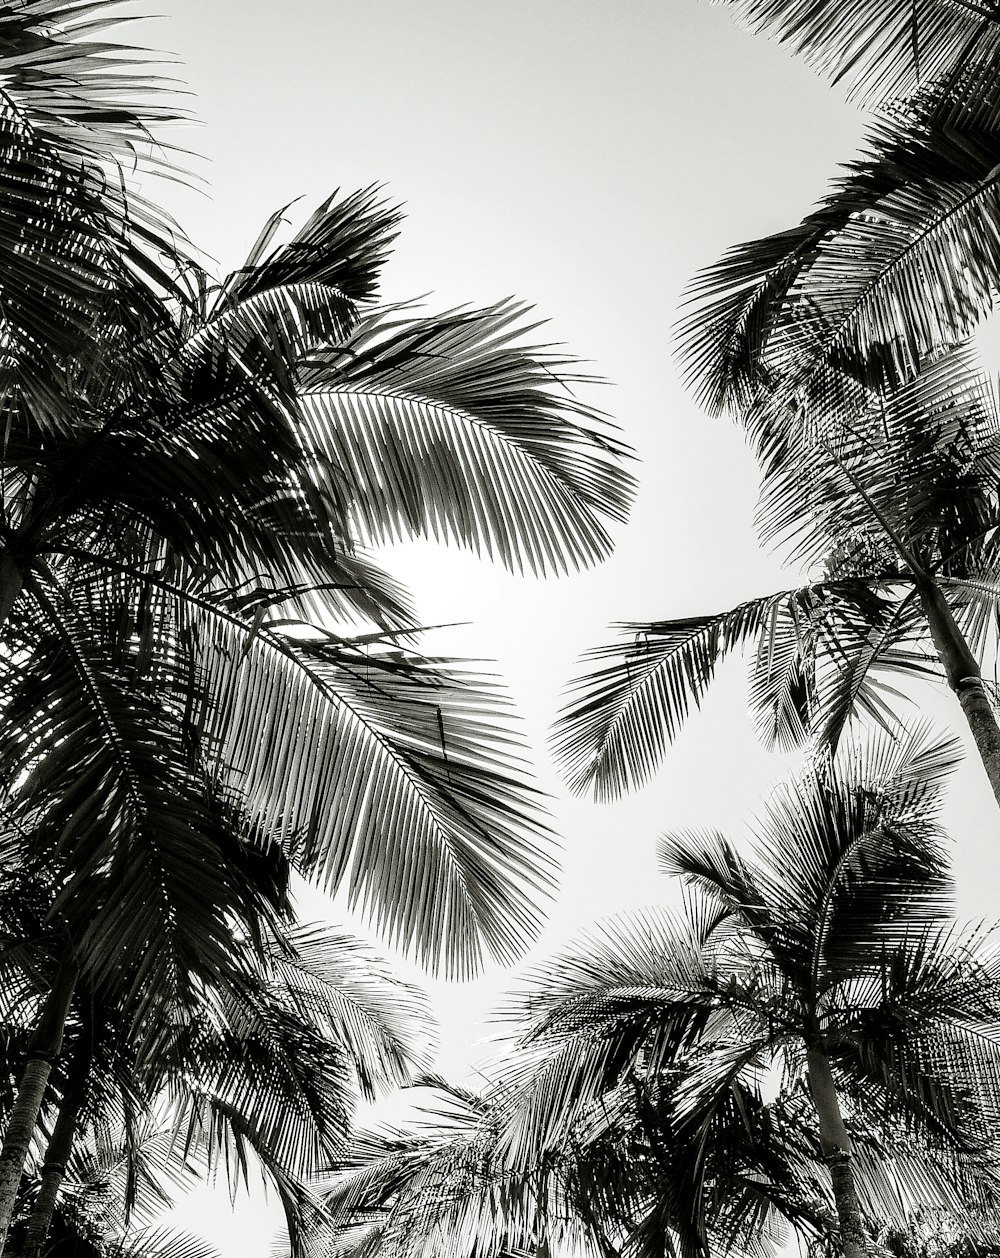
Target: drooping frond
[
  {"x": 882, "y": 49},
  {"x": 399, "y": 779},
  {"x": 451, "y": 427},
  {"x": 622, "y": 715},
  {"x": 342, "y": 986}
]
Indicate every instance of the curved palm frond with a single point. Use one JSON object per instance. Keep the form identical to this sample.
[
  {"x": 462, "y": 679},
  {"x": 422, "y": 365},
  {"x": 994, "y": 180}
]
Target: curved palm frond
[
  {"x": 621, "y": 717},
  {"x": 450, "y": 851},
  {"x": 804, "y": 325},
  {"x": 342, "y": 986},
  {"x": 450, "y": 427},
  {"x": 884, "y": 49}
]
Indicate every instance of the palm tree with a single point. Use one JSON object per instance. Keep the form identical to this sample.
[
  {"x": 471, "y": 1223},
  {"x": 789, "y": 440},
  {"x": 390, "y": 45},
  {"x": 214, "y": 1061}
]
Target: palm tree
[
  {"x": 829, "y": 964},
  {"x": 901, "y": 533},
  {"x": 188, "y": 470},
  {"x": 192, "y": 526}
]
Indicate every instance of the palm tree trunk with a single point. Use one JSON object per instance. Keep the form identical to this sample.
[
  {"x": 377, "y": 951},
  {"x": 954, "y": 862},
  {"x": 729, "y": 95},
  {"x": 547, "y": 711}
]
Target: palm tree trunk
[
  {"x": 836, "y": 1146},
  {"x": 964, "y": 677},
  {"x": 59, "y": 1148},
  {"x": 46, "y": 1044}
]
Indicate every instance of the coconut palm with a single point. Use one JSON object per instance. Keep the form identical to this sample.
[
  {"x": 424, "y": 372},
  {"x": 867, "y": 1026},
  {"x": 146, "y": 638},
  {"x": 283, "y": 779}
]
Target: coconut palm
[
  {"x": 901, "y": 534},
  {"x": 267, "y": 1072},
  {"x": 809, "y": 336},
  {"x": 204, "y": 499},
  {"x": 838, "y": 346},
  {"x": 187, "y": 471},
  {"x": 827, "y": 963}
]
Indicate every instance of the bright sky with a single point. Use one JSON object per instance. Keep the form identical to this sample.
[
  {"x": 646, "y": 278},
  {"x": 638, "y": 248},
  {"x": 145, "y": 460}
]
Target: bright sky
[{"x": 587, "y": 156}]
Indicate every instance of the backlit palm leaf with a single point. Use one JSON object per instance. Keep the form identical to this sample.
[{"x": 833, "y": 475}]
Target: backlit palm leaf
[
  {"x": 399, "y": 782},
  {"x": 622, "y": 715},
  {"x": 449, "y": 427},
  {"x": 883, "y": 48}
]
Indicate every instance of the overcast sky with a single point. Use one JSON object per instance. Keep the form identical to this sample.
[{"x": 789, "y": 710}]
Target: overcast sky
[{"x": 587, "y": 156}]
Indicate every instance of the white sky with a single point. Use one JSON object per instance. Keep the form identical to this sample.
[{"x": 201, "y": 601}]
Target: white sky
[{"x": 587, "y": 156}]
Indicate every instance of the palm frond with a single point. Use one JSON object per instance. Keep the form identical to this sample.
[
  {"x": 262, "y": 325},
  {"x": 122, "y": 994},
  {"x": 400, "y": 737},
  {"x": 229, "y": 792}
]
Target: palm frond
[
  {"x": 808, "y": 322},
  {"x": 622, "y": 715},
  {"x": 450, "y": 427},
  {"x": 343, "y": 987},
  {"x": 341, "y": 248},
  {"x": 399, "y": 779},
  {"x": 883, "y": 48}
]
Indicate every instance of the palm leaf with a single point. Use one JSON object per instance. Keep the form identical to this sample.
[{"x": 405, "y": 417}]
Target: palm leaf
[
  {"x": 622, "y": 715},
  {"x": 447, "y": 427},
  {"x": 399, "y": 780},
  {"x": 883, "y": 48},
  {"x": 840, "y": 305}
]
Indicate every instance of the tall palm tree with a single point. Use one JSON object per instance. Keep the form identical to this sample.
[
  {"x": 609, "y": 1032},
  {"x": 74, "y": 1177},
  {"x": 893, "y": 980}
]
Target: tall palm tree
[
  {"x": 187, "y": 471},
  {"x": 827, "y": 962},
  {"x": 827, "y": 342},
  {"x": 267, "y": 1073}
]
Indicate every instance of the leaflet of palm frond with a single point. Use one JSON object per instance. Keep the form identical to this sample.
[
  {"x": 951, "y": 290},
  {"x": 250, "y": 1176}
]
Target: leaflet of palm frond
[
  {"x": 406, "y": 786},
  {"x": 343, "y": 246},
  {"x": 105, "y": 778},
  {"x": 884, "y": 48},
  {"x": 839, "y": 306},
  {"x": 351, "y": 995},
  {"x": 454, "y": 428}
]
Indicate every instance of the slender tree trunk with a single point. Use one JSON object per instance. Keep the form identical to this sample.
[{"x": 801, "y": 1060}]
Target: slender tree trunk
[
  {"x": 59, "y": 1148},
  {"x": 836, "y": 1146},
  {"x": 964, "y": 677},
  {"x": 46, "y": 1044}
]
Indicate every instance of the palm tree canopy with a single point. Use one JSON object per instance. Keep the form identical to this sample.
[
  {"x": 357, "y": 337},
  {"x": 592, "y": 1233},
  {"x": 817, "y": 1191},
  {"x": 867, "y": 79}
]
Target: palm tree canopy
[
  {"x": 884, "y": 49},
  {"x": 835, "y": 931},
  {"x": 191, "y": 471}
]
